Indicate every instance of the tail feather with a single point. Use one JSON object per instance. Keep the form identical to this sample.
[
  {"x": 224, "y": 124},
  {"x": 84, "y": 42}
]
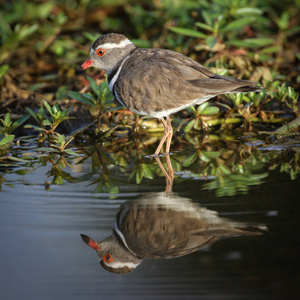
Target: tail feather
[
  {"x": 218, "y": 84},
  {"x": 247, "y": 88},
  {"x": 241, "y": 84}
]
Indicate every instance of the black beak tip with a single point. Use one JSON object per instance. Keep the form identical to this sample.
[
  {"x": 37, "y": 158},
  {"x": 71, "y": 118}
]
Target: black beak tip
[
  {"x": 79, "y": 70},
  {"x": 84, "y": 237}
]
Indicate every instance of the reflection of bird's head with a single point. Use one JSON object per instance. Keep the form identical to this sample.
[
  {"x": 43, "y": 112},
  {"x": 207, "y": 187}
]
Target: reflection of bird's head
[{"x": 113, "y": 256}]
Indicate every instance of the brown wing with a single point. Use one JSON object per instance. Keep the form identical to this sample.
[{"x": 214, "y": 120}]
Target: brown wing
[
  {"x": 163, "y": 233},
  {"x": 164, "y": 79}
]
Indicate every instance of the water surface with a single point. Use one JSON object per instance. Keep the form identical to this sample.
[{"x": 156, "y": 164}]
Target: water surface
[{"x": 44, "y": 257}]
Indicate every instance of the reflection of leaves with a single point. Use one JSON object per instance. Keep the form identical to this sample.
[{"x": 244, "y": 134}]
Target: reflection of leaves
[
  {"x": 58, "y": 174},
  {"x": 234, "y": 168},
  {"x": 105, "y": 184},
  {"x": 233, "y": 184},
  {"x": 190, "y": 159},
  {"x": 142, "y": 170},
  {"x": 291, "y": 167}
]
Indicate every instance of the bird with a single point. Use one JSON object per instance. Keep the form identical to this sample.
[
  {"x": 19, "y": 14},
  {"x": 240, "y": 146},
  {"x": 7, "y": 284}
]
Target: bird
[
  {"x": 154, "y": 226},
  {"x": 157, "y": 82}
]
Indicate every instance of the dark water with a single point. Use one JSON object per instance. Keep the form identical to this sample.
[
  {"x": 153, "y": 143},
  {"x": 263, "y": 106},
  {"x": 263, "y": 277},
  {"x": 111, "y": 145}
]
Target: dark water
[{"x": 44, "y": 257}]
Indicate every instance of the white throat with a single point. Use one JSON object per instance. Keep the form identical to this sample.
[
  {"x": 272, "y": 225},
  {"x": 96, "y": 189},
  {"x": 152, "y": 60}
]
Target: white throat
[
  {"x": 114, "y": 79},
  {"x": 121, "y": 236}
]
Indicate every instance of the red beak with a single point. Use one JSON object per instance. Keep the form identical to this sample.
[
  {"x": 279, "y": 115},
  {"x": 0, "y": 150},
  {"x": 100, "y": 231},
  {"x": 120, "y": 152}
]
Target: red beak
[
  {"x": 90, "y": 242},
  {"x": 85, "y": 65}
]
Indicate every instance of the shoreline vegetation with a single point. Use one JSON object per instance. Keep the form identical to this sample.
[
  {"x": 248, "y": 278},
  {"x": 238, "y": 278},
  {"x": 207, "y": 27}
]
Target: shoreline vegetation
[{"x": 48, "y": 109}]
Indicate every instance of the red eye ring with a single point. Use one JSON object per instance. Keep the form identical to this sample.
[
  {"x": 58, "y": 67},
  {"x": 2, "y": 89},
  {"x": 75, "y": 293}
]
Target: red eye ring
[
  {"x": 100, "y": 52},
  {"x": 108, "y": 258}
]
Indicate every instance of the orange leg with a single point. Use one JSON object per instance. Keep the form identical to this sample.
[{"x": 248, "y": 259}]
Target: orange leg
[
  {"x": 169, "y": 176},
  {"x": 168, "y": 133}
]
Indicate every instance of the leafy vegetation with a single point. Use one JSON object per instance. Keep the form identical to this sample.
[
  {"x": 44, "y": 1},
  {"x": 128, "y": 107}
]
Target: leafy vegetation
[{"x": 42, "y": 43}]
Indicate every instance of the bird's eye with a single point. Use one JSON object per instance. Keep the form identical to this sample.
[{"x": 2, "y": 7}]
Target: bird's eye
[
  {"x": 108, "y": 258},
  {"x": 100, "y": 52}
]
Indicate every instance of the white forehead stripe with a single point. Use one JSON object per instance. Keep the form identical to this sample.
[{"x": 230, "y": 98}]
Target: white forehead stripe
[{"x": 123, "y": 44}]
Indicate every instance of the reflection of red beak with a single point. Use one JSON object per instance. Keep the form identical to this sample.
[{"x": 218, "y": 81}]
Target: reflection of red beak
[
  {"x": 85, "y": 65},
  {"x": 90, "y": 242}
]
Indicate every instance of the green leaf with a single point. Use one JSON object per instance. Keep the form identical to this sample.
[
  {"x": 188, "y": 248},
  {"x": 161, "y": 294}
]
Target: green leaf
[
  {"x": 188, "y": 32},
  {"x": 293, "y": 30},
  {"x": 192, "y": 109},
  {"x": 189, "y": 126},
  {"x": 91, "y": 37},
  {"x": 224, "y": 169},
  {"x": 88, "y": 95},
  {"x": 7, "y": 119},
  {"x": 131, "y": 175},
  {"x": 55, "y": 109},
  {"x": 13, "y": 158},
  {"x": 202, "y": 107},
  {"x": 190, "y": 159},
  {"x": 147, "y": 171},
  {"x": 26, "y": 30},
  {"x": 211, "y": 41},
  {"x": 99, "y": 187},
  {"x": 141, "y": 43},
  {"x": 62, "y": 92},
  {"x": 46, "y": 104},
  {"x": 61, "y": 139},
  {"x": 213, "y": 154},
  {"x": 139, "y": 175},
  {"x": 205, "y": 157},
  {"x": 210, "y": 110},
  {"x": 3, "y": 70},
  {"x": 33, "y": 114},
  {"x": 58, "y": 180},
  {"x": 204, "y": 26},
  {"x": 19, "y": 122},
  {"x": 7, "y": 140},
  {"x": 47, "y": 122},
  {"x": 114, "y": 190},
  {"x": 94, "y": 85},
  {"x": 249, "y": 10},
  {"x": 238, "y": 24},
  {"x": 252, "y": 43},
  {"x": 46, "y": 149},
  {"x": 77, "y": 96},
  {"x": 207, "y": 18},
  {"x": 71, "y": 152},
  {"x": 39, "y": 85},
  {"x": 64, "y": 114},
  {"x": 272, "y": 49},
  {"x": 34, "y": 127}
]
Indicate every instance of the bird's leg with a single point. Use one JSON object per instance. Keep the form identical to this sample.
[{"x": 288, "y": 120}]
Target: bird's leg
[
  {"x": 170, "y": 135},
  {"x": 166, "y": 133},
  {"x": 169, "y": 176}
]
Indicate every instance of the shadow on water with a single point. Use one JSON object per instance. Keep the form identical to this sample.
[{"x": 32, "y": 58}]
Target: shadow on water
[{"x": 185, "y": 203}]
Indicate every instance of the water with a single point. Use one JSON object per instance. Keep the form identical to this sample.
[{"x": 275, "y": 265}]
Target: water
[{"x": 44, "y": 257}]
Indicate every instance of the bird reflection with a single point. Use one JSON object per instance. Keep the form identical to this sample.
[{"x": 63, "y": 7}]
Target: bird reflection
[{"x": 162, "y": 225}]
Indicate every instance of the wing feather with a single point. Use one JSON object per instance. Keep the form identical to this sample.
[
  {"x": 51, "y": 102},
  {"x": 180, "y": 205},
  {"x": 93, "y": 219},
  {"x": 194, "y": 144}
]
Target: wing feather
[{"x": 164, "y": 79}]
